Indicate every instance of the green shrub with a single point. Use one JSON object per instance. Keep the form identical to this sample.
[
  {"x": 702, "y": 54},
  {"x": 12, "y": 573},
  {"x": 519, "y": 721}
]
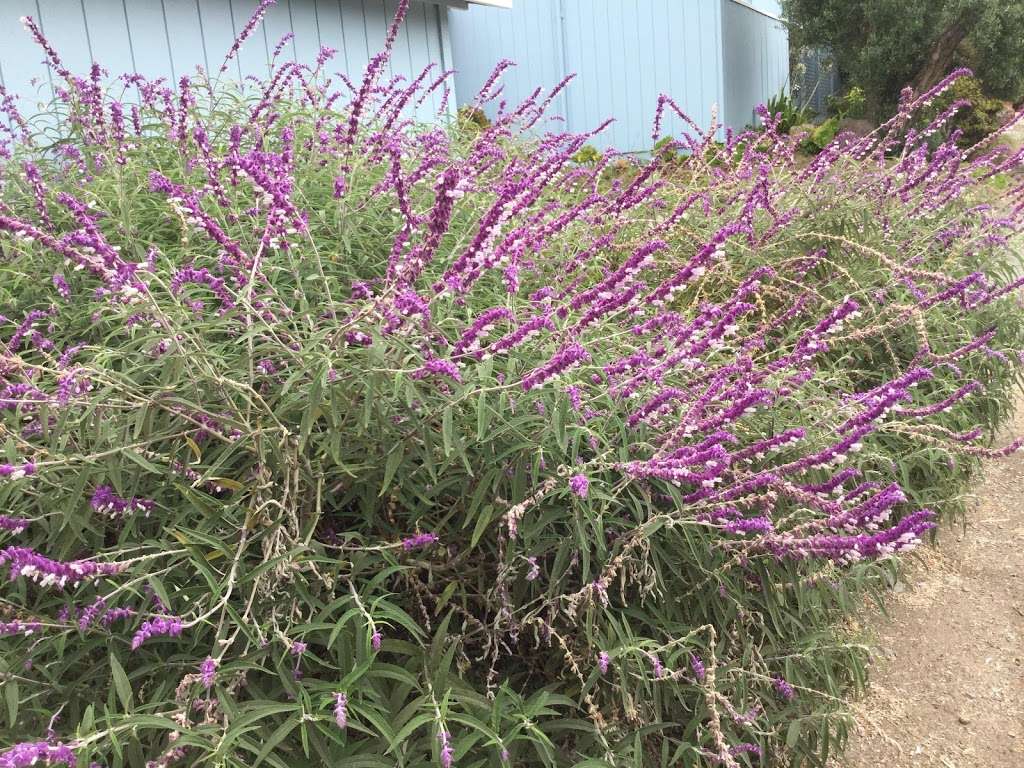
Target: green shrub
[
  {"x": 334, "y": 441},
  {"x": 979, "y": 116},
  {"x": 790, "y": 113}
]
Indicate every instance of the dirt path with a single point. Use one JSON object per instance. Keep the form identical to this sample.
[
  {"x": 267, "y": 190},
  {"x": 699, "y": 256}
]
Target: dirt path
[{"x": 947, "y": 690}]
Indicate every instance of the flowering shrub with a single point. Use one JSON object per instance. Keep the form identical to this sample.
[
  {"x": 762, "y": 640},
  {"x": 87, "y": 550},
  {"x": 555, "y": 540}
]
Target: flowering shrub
[{"x": 335, "y": 440}]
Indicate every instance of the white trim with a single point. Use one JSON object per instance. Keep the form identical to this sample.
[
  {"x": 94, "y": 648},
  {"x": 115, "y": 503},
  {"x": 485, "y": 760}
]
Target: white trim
[
  {"x": 749, "y": 7},
  {"x": 492, "y": 3},
  {"x": 463, "y": 4}
]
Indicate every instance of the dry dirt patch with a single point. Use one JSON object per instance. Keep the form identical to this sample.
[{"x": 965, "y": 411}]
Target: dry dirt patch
[{"x": 947, "y": 686}]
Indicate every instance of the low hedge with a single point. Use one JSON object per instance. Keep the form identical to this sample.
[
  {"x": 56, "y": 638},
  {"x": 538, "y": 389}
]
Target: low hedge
[{"x": 335, "y": 439}]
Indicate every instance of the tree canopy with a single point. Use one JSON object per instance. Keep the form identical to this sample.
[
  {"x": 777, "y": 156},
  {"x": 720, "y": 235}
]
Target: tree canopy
[{"x": 883, "y": 45}]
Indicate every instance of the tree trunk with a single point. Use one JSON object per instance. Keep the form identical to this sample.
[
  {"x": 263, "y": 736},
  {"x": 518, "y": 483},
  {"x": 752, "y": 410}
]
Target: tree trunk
[{"x": 940, "y": 60}]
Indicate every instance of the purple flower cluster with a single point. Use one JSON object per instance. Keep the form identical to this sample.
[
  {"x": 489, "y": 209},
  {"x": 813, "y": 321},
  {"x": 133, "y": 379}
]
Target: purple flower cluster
[
  {"x": 580, "y": 485},
  {"x": 341, "y": 710},
  {"x": 330, "y": 233},
  {"x": 12, "y": 524},
  {"x": 447, "y": 753},
  {"x": 160, "y": 626},
  {"x": 208, "y": 672},
  {"x": 419, "y": 541},
  {"x": 26, "y": 562},
  {"x": 19, "y": 627},
  {"x": 106, "y": 502},
  {"x": 783, "y": 689},
  {"x": 37, "y": 753}
]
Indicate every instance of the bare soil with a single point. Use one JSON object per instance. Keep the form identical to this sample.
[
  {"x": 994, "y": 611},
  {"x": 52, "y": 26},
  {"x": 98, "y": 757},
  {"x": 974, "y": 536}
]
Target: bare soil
[{"x": 947, "y": 686}]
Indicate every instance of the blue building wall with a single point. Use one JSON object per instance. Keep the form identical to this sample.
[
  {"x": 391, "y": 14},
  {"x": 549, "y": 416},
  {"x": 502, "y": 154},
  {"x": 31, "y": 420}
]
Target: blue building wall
[
  {"x": 624, "y": 53},
  {"x": 755, "y": 56},
  {"x": 729, "y": 53},
  {"x": 168, "y": 38}
]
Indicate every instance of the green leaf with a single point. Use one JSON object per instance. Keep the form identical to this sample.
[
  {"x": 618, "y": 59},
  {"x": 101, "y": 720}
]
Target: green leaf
[
  {"x": 793, "y": 734},
  {"x": 121, "y": 684},
  {"x": 446, "y": 430},
  {"x": 391, "y": 466},
  {"x": 11, "y": 696}
]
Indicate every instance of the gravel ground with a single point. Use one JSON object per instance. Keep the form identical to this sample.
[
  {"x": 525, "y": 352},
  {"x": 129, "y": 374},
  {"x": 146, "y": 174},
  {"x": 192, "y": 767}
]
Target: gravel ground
[{"x": 947, "y": 687}]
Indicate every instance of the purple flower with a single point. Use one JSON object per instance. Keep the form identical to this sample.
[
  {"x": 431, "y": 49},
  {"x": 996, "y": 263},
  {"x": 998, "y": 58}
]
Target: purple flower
[
  {"x": 341, "y": 710},
  {"x": 447, "y": 753},
  {"x": 37, "y": 753},
  {"x": 580, "y": 485},
  {"x": 46, "y": 572},
  {"x": 12, "y": 524},
  {"x": 105, "y": 501},
  {"x": 63, "y": 289},
  {"x": 19, "y": 628},
  {"x": 208, "y": 671},
  {"x": 376, "y": 639},
  {"x": 656, "y": 666},
  {"x": 783, "y": 689},
  {"x": 440, "y": 367},
  {"x": 697, "y": 665},
  {"x": 418, "y": 541},
  {"x": 567, "y": 357},
  {"x": 603, "y": 660},
  {"x": 17, "y": 472},
  {"x": 168, "y": 626}
]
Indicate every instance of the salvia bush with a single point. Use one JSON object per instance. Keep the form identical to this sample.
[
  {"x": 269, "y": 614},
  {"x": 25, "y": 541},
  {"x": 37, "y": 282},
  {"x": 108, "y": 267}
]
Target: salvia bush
[{"x": 331, "y": 439}]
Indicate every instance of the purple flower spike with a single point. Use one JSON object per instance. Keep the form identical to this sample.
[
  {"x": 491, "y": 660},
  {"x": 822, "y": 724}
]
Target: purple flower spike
[
  {"x": 208, "y": 671},
  {"x": 447, "y": 753},
  {"x": 19, "y": 628},
  {"x": 656, "y": 666},
  {"x": 697, "y": 665},
  {"x": 52, "y": 573},
  {"x": 783, "y": 689},
  {"x": 167, "y": 626},
  {"x": 37, "y": 753},
  {"x": 580, "y": 485},
  {"x": 376, "y": 639},
  {"x": 341, "y": 710},
  {"x": 12, "y": 524},
  {"x": 418, "y": 541},
  {"x": 603, "y": 660},
  {"x": 17, "y": 472}
]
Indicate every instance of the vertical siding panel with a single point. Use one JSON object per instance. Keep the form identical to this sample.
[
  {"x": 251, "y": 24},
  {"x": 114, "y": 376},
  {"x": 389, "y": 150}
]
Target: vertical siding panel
[
  {"x": 374, "y": 26},
  {"x": 108, "y": 32},
  {"x": 64, "y": 27},
  {"x": 755, "y": 54},
  {"x": 254, "y": 54},
  {"x": 146, "y": 26},
  {"x": 404, "y": 60},
  {"x": 432, "y": 41},
  {"x": 328, "y": 13},
  {"x": 357, "y": 48},
  {"x": 449, "y": 56},
  {"x": 386, "y": 15},
  {"x": 625, "y": 52},
  {"x": 218, "y": 36},
  {"x": 579, "y": 114},
  {"x": 166, "y": 38},
  {"x": 276, "y": 24},
  {"x": 721, "y": 95},
  {"x": 667, "y": 48},
  {"x": 26, "y": 77},
  {"x": 421, "y": 51},
  {"x": 187, "y": 51},
  {"x": 305, "y": 25}
]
